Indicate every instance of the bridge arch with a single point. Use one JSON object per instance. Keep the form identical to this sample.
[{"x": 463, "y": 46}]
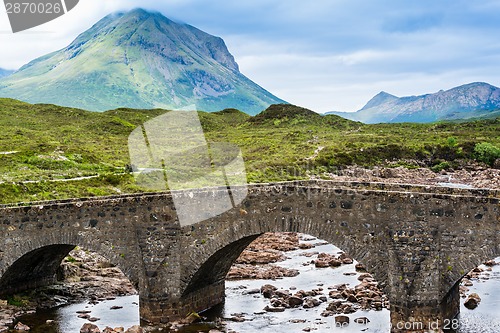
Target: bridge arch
[
  {"x": 473, "y": 260},
  {"x": 214, "y": 269},
  {"x": 33, "y": 262},
  {"x": 212, "y": 246}
]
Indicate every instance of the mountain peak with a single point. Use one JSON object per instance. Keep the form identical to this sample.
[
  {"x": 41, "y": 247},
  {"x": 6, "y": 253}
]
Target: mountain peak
[
  {"x": 156, "y": 33},
  {"x": 381, "y": 98},
  {"x": 139, "y": 59},
  {"x": 477, "y": 84},
  {"x": 141, "y": 15},
  {"x": 140, "y": 12}
]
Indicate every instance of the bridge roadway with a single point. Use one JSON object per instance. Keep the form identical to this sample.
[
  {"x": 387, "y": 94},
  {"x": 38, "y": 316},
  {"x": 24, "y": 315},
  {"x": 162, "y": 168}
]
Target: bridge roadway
[{"x": 417, "y": 241}]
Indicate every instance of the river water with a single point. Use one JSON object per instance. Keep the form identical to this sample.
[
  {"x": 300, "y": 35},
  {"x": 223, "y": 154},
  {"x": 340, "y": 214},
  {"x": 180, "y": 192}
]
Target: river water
[{"x": 484, "y": 319}]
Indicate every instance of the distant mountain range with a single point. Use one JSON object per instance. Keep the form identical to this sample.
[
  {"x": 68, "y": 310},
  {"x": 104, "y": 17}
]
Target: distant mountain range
[
  {"x": 474, "y": 100},
  {"x": 143, "y": 60},
  {"x": 5, "y": 72}
]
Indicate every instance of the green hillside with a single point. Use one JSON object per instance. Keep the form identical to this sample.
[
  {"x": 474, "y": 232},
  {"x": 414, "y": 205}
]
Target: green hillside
[{"x": 41, "y": 145}]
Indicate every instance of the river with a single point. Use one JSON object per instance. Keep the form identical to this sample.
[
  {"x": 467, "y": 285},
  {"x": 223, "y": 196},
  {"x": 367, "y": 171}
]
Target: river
[{"x": 484, "y": 319}]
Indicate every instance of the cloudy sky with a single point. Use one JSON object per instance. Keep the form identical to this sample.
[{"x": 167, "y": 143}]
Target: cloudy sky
[{"x": 323, "y": 54}]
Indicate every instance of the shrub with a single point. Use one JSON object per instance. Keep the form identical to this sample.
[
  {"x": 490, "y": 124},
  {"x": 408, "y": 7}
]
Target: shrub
[
  {"x": 486, "y": 152},
  {"x": 451, "y": 141},
  {"x": 441, "y": 166}
]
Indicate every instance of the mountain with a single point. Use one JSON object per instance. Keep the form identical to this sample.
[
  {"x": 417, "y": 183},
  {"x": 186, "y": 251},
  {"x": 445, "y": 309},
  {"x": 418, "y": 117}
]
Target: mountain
[
  {"x": 5, "y": 72},
  {"x": 142, "y": 60},
  {"x": 379, "y": 99},
  {"x": 474, "y": 100}
]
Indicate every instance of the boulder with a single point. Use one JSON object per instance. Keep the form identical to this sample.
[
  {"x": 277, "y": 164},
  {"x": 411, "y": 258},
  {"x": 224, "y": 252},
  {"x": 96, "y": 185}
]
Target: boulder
[
  {"x": 268, "y": 290},
  {"x": 335, "y": 294},
  {"x": 466, "y": 282},
  {"x": 306, "y": 246},
  {"x": 341, "y": 321},
  {"x": 89, "y": 328},
  {"x": 251, "y": 292},
  {"x": 282, "y": 293},
  {"x": 490, "y": 263},
  {"x": 360, "y": 268},
  {"x": 352, "y": 299},
  {"x": 294, "y": 301},
  {"x": 311, "y": 302},
  {"x": 362, "y": 320},
  {"x": 363, "y": 276},
  {"x": 321, "y": 263},
  {"x": 21, "y": 327},
  {"x": 334, "y": 306},
  {"x": 343, "y": 256},
  {"x": 335, "y": 263},
  {"x": 472, "y": 301},
  {"x": 274, "y": 309},
  {"x": 135, "y": 329},
  {"x": 279, "y": 303},
  {"x": 347, "y": 261}
]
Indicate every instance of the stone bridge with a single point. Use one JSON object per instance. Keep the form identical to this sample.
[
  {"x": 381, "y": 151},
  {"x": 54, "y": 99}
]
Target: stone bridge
[{"x": 417, "y": 241}]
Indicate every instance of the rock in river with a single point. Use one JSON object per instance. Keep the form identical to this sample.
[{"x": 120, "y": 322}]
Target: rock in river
[{"x": 472, "y": 301}]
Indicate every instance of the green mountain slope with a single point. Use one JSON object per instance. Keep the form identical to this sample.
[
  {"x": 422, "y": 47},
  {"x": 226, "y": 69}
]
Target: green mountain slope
[
  {"x": 42, "y": 145},
  {"x": 139, "y": 59}
]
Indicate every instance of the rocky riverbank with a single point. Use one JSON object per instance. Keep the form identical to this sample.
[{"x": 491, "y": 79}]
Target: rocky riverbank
[
  {"x": 262, "y": 258},
  {"x": 258, "y": 260},
  {"x": 472, "y": 175},
  {"x": 84, "y": 276}
]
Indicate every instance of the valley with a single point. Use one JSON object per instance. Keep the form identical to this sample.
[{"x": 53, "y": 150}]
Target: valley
[{"x": 53, "y": 152}]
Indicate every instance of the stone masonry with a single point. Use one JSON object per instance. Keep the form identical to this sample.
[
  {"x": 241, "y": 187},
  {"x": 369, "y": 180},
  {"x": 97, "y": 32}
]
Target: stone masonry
[{"x": 417, "y": 241}]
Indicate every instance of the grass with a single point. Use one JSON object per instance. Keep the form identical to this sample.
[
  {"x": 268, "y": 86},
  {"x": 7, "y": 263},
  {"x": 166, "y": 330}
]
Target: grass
[{"x": 52, "y": 152}]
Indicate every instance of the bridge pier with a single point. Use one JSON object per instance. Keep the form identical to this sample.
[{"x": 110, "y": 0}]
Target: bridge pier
[
  {"x": 426, "y": 316},
  {"x": 164, "y": 309}
]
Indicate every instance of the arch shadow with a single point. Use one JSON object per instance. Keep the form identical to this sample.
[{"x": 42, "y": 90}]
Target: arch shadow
[
  {"x": 35, "y": 269},
  {"x": 38, "y": 265}
]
